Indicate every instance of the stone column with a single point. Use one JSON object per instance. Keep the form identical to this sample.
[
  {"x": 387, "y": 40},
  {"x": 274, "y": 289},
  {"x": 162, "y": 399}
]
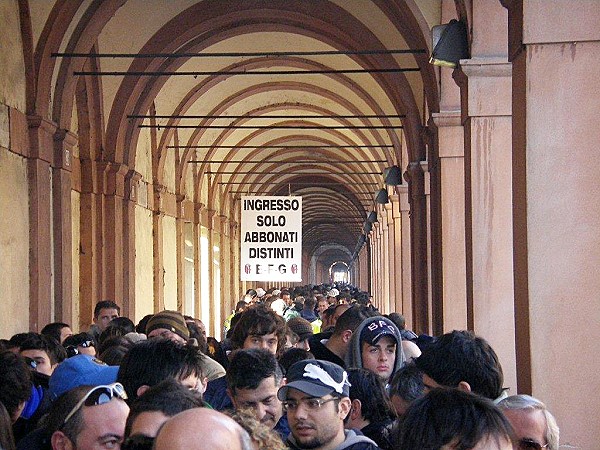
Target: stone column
[
  {"x": 452, "y": 182},
  {"x": 406, "y": 255},
  {"x": 211, "y": 272},
  {"x": 485, "y": 83},
  {"x": 556, "y": 192},
  {"x": 486, "y": 90},
  {"x": 197, "y": 260},
  {"x": 394, "y": 251},
  {"x": 419, "y": 261},
  {"x": 157, "y": 238},
  {"x": 234, "y": 248},
  {"x": 132, "y": 180},
  {"x": 385, "y": 260},
  {"x": 64, "y": 141},
  {"x": 225, "y": 270},
  {"x": 41, "y": 136},
  {"x": 180, "y": 242}
]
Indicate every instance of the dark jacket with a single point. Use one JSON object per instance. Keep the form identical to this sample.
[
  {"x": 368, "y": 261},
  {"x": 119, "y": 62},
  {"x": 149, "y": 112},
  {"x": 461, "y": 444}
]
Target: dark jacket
[
  {"x": 381, "y": 433},
  {"x": 320, "y": 351},
  {"x": 216, "y": 394}
]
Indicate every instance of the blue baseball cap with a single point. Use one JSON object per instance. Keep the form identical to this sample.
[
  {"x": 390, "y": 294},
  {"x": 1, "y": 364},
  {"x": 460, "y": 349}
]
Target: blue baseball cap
[{"x": 80, "y": 370}]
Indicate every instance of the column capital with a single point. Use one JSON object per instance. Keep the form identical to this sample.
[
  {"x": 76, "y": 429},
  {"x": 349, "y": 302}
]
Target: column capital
[
  {"x": 41, "y": 138},
  {"x": 64, "y": 142},
  {"x": 113, "y": 176},
  {"x": 485, "y": 78}
]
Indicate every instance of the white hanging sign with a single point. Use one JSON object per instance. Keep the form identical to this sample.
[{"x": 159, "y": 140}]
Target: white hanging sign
[{"x": 271, "y": 238}]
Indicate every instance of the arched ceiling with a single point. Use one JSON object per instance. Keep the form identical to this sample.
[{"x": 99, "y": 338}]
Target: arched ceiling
[{"x": 326, "y": 134}]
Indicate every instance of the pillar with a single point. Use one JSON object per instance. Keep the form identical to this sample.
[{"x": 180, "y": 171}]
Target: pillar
[
  {"x": 64, "y": 141},
  {"x": 41, "y": 136},
  {"x": 395, "y": 225},
  {"x": 452, "y": 180},
  {"x": 406, "y": 255},
  {"x": 556, "y": 188},
  {"x": 391, "y": 254},
  {"x": 158, "y": 244},
  {"x": 485, "y": 82}
]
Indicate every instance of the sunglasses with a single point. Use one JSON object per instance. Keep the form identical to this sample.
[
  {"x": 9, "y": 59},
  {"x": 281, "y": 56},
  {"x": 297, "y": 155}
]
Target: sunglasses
[
  {"x": 72, "y": 350},
  {"x": 98, "y": 395},
  {"x": 32, "y": 363},
  {"x": 530, "y": 444}
]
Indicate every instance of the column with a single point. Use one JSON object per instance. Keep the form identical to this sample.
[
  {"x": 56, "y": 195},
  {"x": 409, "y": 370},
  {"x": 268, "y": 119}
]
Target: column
[
  {"x": 419, "y": 265},
  {"x": 64, "y": 141},
  {"x": 485, "y": 83},
  {"x": 157, "y": 243},
  {"x": 180, "y": 239},
  {"x": 197, "y": 268},
  {"x": 132, "y": 180},
  {"x": 226, "y": 305},
  {"x": 234, "y": 247},
  {"x": 394, "y": 245},
  {"x": 406, "y": 256},
  {"x": 385, "y": 261},
  {"x": 211, "y": 272},
  {"x": 556, "y": 191},
  {"x": 452, "y": 182},
  {"x": 41, "y": 136}
]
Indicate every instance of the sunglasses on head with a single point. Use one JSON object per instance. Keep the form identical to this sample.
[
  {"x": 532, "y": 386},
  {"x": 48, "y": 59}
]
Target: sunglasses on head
[
  {"x": 530, "y": 444},
  {"x": 98, "y": 395}
]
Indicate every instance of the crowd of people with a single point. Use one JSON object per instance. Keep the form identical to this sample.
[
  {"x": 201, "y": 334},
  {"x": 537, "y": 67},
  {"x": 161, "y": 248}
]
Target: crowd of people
[{"x": 316, "y": 367}]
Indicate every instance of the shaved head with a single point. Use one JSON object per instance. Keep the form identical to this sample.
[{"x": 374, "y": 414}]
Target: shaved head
[{"x": 202, "y": 429}]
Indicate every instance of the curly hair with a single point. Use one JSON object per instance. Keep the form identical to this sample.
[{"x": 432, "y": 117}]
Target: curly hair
[
  {"x": 258, "y": 321},
  {"x": 263, "y": 437}
]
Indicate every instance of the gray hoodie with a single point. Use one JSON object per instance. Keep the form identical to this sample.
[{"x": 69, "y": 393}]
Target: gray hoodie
[
  {"x": 353, "y": 441},
  {"x": 354, "y": 355}
]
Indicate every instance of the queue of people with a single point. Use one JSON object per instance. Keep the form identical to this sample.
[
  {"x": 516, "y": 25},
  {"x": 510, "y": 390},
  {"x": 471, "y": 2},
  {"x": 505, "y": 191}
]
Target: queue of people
[{"x": 306, "y": 368}]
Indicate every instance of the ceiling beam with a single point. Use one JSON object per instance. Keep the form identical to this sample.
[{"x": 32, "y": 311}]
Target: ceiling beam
[
  {"x": 194, "y": 73},
  {"x": 237, "y": 54}
]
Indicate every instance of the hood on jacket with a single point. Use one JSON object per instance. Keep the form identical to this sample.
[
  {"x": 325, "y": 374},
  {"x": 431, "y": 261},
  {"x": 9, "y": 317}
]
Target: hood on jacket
[{"x": 354, "y": 355}]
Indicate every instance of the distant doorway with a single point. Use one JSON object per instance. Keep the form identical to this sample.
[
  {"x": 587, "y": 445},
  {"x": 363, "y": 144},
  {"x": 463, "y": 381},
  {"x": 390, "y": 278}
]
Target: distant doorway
[{"x": 338, "y": 272}]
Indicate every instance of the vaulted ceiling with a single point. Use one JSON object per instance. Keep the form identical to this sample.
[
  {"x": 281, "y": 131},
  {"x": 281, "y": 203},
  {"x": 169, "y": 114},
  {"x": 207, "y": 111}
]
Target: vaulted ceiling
[{"x": 274, "y": 97}]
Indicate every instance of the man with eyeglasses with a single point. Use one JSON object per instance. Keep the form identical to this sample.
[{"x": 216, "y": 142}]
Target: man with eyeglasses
[
  {"x": 87, "y": 418},
  {"x": 535, "y": 428},
  {"x": 316, "y": 399}
]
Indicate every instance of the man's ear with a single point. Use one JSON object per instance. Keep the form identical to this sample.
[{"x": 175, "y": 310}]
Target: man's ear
[
  {"x": 60, "y": 441},
  {"x": 346, "y": 335},
  {"x": 143, "y": 388},
  {"x": 464, "y": 386},
  {"x": 344, "y": 408},
  {"x": 356, "y": 409}
]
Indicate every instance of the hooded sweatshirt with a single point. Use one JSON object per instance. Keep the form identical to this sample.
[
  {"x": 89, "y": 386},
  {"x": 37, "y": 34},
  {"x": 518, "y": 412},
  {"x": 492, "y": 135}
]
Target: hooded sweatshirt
[
  {"x": 353, "y": 441},
  {"x": 354, "y": 355}
]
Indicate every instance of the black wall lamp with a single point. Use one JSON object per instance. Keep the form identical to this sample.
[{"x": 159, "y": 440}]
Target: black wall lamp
[
  {"x": 381, "y": 196},
  {"x": 392, "y": 176},
  {"x": 372, "y": 217},
  {"x": 450, "y": 44}
]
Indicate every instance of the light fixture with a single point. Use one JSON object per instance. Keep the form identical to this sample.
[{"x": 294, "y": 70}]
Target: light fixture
[
  {"x": 367, "y": 227},
  {"x": 392, "y": 176},
  {"x": 372, "y": 217},
  {"x": 450, "y": 44},
  {"x": 381, "y": 196}
]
